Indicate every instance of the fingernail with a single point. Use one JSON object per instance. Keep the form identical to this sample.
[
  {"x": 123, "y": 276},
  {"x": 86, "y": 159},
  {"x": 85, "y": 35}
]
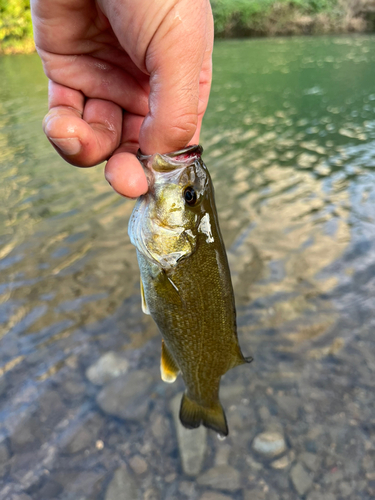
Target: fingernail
[
  {"x": 108, "y": 177},
  {"x": 68, "y": 147}
]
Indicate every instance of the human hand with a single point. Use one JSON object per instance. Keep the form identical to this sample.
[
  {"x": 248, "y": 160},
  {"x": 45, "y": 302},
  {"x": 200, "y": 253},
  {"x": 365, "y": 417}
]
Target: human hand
[{"x": 124, "y": 75}]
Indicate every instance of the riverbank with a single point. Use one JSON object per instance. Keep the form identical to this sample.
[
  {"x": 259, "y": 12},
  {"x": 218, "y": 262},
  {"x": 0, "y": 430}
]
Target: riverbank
[
  {"x": 244, "y": 18},
  {"x": 233, "y": 18}
]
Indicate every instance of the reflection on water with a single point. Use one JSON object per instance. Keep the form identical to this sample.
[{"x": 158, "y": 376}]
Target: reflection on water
[{"x": 289, "y": 138}]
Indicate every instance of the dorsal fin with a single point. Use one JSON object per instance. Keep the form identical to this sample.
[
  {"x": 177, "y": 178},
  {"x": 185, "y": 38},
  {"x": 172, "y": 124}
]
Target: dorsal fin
[{"x": 168, "y": 366}]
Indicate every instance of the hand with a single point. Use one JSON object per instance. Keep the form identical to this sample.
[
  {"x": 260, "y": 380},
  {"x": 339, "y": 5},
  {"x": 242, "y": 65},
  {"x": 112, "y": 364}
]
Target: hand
[{"x": 124, "y": 74}]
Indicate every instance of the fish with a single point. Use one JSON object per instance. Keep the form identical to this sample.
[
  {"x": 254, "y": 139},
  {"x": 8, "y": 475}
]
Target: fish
[{"x": 185, "y": 281}]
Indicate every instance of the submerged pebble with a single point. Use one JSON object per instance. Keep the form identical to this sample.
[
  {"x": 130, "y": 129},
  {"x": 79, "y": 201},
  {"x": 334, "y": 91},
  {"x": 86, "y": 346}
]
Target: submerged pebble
[
  {"x": 280, "y": 463},
  {"x": 221, "y": 477},
  {"x": 81, "y": 439},
  {"x": 211, "y": 495},
  {"x": 128, "y": 396},
  {"x": 138, "y": 464},
  {"x": 151, "y": 494},
  {"x": 300, "y": 479},
  {"x": 310, "y": 460},
  {"x": 269, "y": 444},
  {"x": 122, "y": 486},
  {"x": 108, "y": 367},
  {"x": 318, "y": 495}
]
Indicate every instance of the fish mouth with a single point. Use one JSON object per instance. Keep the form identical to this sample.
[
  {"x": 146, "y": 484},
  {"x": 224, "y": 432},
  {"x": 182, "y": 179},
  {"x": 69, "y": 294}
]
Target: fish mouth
[{"x": 170, "y": 161}]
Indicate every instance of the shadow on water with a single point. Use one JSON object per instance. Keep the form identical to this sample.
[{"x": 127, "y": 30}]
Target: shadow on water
[{"x": 289, "y": 138}]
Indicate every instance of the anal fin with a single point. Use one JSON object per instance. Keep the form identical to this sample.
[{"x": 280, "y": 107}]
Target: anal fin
[
  {"x": 168, "y": 366},
  {"x": 192, "y": 415},
  {"x": 145, "y": 308}
]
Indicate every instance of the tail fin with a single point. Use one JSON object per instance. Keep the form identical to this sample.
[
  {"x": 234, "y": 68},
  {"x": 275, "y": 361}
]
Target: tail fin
[{"x": 192, "y": 415}]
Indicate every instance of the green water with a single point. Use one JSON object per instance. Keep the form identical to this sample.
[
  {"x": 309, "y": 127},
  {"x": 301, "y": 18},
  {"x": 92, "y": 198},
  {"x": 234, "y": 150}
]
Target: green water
[{"x": 289, "y": 138}]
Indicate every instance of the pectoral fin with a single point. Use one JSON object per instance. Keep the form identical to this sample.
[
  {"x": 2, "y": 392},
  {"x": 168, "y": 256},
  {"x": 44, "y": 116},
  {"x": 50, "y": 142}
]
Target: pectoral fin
[
  {"x": 145, "y": 308},
  {"x": 168, "y": 367}
]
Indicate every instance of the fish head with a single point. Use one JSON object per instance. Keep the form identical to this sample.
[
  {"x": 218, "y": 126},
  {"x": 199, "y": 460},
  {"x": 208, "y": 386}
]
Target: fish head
[{"x": 166, "y": 220}]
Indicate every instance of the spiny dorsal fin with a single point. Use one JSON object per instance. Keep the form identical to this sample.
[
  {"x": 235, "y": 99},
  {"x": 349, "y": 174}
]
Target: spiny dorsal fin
[
  {"x": 168, "y": 366},
  {"x": 145, "y": 308},
  {"x": 192, "y": 415}
]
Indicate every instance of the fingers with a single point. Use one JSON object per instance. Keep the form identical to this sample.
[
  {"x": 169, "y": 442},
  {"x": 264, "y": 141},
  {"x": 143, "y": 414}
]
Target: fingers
[
  {"x": 125, "y": 174},
  {"x": 178, "y": 60},
  {"x": 123, "y": 171},
  {"x": 84, "y": 134},
  {"x": 96, "y": 79}
]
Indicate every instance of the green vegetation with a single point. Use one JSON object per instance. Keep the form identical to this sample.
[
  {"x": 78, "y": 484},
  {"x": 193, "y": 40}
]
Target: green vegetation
[
  {"x": 16, "y": 33},
  {"x": 233, "y": 18},
  {"x": 291, "y": 17}
]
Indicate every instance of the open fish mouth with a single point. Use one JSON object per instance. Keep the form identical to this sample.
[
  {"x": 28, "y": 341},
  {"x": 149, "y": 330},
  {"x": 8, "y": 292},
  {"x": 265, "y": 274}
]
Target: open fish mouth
[
  {"x": 171, "y": 161},
  {"x": 168, "y": 167}
]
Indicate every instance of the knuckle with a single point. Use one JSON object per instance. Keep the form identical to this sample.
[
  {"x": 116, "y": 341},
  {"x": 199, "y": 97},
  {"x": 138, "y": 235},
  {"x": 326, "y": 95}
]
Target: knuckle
[{"x": 183, "y": 129}]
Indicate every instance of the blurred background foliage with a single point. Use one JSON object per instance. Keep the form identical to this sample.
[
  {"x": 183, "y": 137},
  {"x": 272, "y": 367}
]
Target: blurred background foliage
[
  {"x": 233, "y": 18},
  {"x": 16, "y": 33},
  {"x": 292, "y": 17}
]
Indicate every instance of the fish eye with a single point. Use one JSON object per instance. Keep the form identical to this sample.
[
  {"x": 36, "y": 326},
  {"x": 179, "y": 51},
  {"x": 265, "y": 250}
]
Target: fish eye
[{"x": 190, "y": 196}]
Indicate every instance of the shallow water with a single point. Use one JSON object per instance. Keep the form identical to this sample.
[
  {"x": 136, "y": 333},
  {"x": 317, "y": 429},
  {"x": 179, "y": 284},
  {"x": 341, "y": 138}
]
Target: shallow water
[{"x": 289, "y": 139}]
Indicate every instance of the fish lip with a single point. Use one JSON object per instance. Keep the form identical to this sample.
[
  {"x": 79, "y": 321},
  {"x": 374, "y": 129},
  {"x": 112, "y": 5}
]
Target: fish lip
[
  {"x": 193, "y": 150},
  {"x": 168, "y": 162}
]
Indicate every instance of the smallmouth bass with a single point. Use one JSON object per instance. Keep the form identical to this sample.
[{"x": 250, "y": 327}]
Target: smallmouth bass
[{"x": 185, "y": 281}]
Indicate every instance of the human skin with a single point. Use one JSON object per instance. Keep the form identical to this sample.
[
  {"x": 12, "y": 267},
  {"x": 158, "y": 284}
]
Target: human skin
[{"x": 123, "y": 75}]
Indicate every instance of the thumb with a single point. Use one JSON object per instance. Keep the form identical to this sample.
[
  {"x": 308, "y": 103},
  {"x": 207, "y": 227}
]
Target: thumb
[{"x": 179, "y": 63}]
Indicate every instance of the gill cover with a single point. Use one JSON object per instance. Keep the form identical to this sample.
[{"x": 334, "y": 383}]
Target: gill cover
[{"x": 165, "y": 220}]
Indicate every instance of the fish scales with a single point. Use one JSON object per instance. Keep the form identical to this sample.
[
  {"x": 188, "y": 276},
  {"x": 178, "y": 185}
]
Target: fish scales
[{"x": 185, "y": 281}]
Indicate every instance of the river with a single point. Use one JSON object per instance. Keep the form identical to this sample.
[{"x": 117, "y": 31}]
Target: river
[{"x": 289, "y": 138}]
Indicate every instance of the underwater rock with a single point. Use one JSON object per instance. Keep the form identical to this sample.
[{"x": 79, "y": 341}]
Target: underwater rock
[
  {"x": 280, "y": 463},
  {"x": 128, "y": 396},
  {"x": 123, "y": 486},
  {"x": 300, "y": 479},
  {"x": 81, "y": 440},
  {"x": 211, "y": 495},
  {"x": 221, "y": 477},
  {"x": 138, "y": 464},
  {"x": 269, "y": 444},
  {"x": 311, "y": 460},
  {"x": 108, "y": 367}
]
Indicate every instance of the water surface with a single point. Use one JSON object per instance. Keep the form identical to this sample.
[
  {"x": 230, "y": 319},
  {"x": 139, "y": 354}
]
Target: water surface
[{"x": 289, "y": 138}]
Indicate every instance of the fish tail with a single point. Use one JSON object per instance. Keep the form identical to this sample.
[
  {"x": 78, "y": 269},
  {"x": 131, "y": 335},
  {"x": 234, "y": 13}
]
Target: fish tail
[{"x": 192, "y": 415}]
